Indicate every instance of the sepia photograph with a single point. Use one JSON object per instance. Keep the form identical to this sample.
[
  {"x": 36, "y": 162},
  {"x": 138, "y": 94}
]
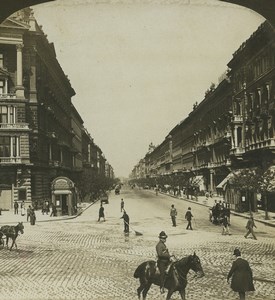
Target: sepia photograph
[{"x": 137, "y": 149}]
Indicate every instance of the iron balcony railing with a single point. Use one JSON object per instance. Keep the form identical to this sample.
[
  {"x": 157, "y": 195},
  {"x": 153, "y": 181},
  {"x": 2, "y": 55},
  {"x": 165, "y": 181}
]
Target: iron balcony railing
[
  {"x": 14, "y": 126},
  {"x": 10, "y": 160}
]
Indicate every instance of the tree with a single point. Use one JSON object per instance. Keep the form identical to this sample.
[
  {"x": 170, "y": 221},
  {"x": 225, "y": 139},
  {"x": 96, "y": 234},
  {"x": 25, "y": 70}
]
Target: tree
[
  {"x": 266, "y": 184},
  {"x": 91, "y": 185},
  {"x": 245, "y": 181}
]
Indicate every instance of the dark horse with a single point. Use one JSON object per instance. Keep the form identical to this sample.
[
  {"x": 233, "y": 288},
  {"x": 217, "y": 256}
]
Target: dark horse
[
  {"x": 176, "y": 280},
  {"x": 11, "y": 232}
]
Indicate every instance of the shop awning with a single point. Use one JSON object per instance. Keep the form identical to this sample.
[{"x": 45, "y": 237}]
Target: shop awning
[
  {"x": 62, "y": 192},
  {"x": 223, "y": 183}
]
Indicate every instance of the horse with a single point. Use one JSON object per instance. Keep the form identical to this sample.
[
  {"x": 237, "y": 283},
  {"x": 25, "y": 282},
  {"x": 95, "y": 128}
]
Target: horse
[
  {"x": 12, "y": 232},
  {"x": 176, "y": 280}
]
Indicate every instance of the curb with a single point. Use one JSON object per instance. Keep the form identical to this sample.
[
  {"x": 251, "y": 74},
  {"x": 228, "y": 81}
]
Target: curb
[
  {"x": 58, "y": 218},
  {"x": 69, "y": 218},
  {"x": 232, "y": 212}
]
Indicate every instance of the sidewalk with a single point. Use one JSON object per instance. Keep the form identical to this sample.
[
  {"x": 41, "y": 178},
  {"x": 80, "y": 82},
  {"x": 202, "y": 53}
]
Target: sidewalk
[
  {"x": 259, "y": 216},
  {"x": 8, "y": 217}
]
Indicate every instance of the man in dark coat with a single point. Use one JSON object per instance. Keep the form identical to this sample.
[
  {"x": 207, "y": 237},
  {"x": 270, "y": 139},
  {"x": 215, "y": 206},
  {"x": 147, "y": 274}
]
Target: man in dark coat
[
  {"x": 32, "y": 216},
  {"x": 242, "y": 277},
  {"x": 188, "y": 217},
  {"x": 163, "y": 258},
  {"x": 16, "y": 207},
  {"x": 101, "y": 213},
  {"x": 126, "y": 219}
]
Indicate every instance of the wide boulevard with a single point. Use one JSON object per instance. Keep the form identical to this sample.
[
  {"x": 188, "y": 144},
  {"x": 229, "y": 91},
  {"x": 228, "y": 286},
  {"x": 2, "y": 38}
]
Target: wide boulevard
[{"x": 85, "y": 259}]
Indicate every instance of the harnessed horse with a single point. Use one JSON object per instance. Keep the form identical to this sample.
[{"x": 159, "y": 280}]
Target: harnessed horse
[
  {"x": 11, "y": 232},
  {"x": 176, "y": 280}
]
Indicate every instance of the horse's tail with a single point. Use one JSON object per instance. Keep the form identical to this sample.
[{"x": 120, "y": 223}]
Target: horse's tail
[{"x": 140, "y": 270}]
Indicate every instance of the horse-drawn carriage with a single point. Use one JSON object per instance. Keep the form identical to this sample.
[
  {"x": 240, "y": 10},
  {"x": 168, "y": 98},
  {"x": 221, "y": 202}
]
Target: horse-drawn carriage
[{"x": 217, "y": 214}]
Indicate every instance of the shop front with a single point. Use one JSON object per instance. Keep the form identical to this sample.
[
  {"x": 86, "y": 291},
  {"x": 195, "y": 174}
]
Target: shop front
[{"x": 64, "y": 196}]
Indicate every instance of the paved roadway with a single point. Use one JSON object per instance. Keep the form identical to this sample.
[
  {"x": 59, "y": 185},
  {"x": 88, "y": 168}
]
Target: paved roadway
[{"x": 83, "y": 259}]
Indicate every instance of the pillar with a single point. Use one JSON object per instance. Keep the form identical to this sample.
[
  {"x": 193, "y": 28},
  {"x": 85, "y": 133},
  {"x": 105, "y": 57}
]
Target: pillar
[
  {"x": 211, "y": 180},
  {"x": 19, "y": 67},
  {"x": 33, "y": 91}
]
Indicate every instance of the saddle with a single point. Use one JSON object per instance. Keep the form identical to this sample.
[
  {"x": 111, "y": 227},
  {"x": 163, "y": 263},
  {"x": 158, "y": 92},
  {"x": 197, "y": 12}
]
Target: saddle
[{"x": 170, "y": 267}]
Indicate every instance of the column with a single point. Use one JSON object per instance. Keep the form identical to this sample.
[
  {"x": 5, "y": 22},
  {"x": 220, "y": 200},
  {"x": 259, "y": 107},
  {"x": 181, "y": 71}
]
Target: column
[
  {"x": 235, "y": 136},
  {"x": 6, "y": 91},
  {"x": 19, "y": 67},
  {"x": 11, "y": 146},
  {"x": 17, "y": 146},
  {"x": 9, "y": 116},
  {"x": 33, "y": 91},
  {"x": 211, "y": 180}
]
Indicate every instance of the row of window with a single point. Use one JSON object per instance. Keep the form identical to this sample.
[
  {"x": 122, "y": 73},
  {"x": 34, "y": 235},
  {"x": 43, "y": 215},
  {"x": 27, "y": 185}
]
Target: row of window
[
  {"x": 9, "y": 146},
  {"x": 7, "y": 114}
]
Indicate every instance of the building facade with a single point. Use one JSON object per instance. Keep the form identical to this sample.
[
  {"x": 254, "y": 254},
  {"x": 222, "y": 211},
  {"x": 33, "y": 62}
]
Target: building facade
[
  {"x": 231, "y": 129},
  {"x": 40, "y": 129}
]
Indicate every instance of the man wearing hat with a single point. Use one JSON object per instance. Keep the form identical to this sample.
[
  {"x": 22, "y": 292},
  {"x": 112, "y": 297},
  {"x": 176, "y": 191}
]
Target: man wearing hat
[
  {"x": 163, "y": 258},
  {"x": 188, "y": 217},
  {"x": 242, "y": 277},
  {"x": 249, "y": 226}
]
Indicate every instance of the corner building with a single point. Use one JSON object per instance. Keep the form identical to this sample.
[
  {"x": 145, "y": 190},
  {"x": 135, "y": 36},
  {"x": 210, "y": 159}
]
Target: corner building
[{"x": 36, "y": 135}]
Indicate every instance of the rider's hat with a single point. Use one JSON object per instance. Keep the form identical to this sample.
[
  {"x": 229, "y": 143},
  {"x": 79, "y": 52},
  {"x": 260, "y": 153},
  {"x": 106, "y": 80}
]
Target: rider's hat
[
  {"x": 163, "y": 235},
  {"x": 237, "y": 252}
]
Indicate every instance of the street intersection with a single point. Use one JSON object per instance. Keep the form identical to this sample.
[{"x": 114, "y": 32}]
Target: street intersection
[{"x": 81, "y": 258}]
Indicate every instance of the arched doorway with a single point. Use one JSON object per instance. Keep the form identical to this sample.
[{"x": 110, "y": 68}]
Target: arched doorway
[{"x": 64, "y": 196}]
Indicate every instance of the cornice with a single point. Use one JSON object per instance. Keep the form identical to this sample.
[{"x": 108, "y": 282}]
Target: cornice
[{"x": 8, "y": 7}]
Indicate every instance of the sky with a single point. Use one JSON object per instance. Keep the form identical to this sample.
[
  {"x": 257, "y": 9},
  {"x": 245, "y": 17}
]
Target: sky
[{"x": 138, "y": 66}]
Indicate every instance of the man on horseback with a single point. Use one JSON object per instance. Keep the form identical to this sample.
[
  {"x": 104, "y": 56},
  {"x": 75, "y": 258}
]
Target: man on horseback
[{"x": 163, "y": 259}]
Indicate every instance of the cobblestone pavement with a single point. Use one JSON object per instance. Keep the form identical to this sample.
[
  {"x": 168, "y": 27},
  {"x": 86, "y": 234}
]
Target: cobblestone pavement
[{"x": 85, "y": 259}]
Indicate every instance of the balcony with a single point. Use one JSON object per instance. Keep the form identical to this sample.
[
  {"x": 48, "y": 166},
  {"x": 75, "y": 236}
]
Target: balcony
[
  {"x": 15, "y": 126},
  {"x": 10, "y": 160},
  {"x": 237, "y": 119},
  {"x": 7, "y": 96},
  {"x": 238, "y": 152},
  {"x": 211, "y": 165},
  {"x": 54, "y": 163},
  {"x": 265, "y": 144}
]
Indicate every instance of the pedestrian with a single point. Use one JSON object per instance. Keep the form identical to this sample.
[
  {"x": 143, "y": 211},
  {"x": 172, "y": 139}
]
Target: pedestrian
[
  {"x": 15, "y": 206},
  {"x": 23, "y": 210},
  {"x": 249, "y": 226},
  {"x": 173, "y": 214},
  {"x": 163, "y": 259},
  {"x": 121, "y": 205},
  {"x": 53, "y": 213},
  {"x": 188, "y": 217},
  {"x": 101, "y": 213},
  {"x": 157, "y": 189},
  {"x": 47, "y": 207},
  {"x": 28, "y": 212},
  {"x": 126, "y": 220},
  {"x": 44, "y": 206},
  {"x": 242, "y": 277},
  {"x": 225, "y": 228},
  {"x": 32, "y": 216}
]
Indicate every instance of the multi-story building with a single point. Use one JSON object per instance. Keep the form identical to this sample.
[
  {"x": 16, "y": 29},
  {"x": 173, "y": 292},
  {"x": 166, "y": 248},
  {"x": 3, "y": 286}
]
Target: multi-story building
[
  {"x": 40, "y": 129},
  {"x": 76, "y": 128},
  {"x": 93, "y": 157},
  {"x": 232, "y": 128}
]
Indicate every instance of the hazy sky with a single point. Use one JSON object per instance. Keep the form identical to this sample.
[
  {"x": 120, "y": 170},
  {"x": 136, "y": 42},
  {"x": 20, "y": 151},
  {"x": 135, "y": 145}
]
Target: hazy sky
[{"x": 139, "y": 66}]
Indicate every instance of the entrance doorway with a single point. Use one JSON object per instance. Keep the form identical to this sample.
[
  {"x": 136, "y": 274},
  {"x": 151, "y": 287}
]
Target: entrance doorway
[{"x": 64, "y": 204}]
